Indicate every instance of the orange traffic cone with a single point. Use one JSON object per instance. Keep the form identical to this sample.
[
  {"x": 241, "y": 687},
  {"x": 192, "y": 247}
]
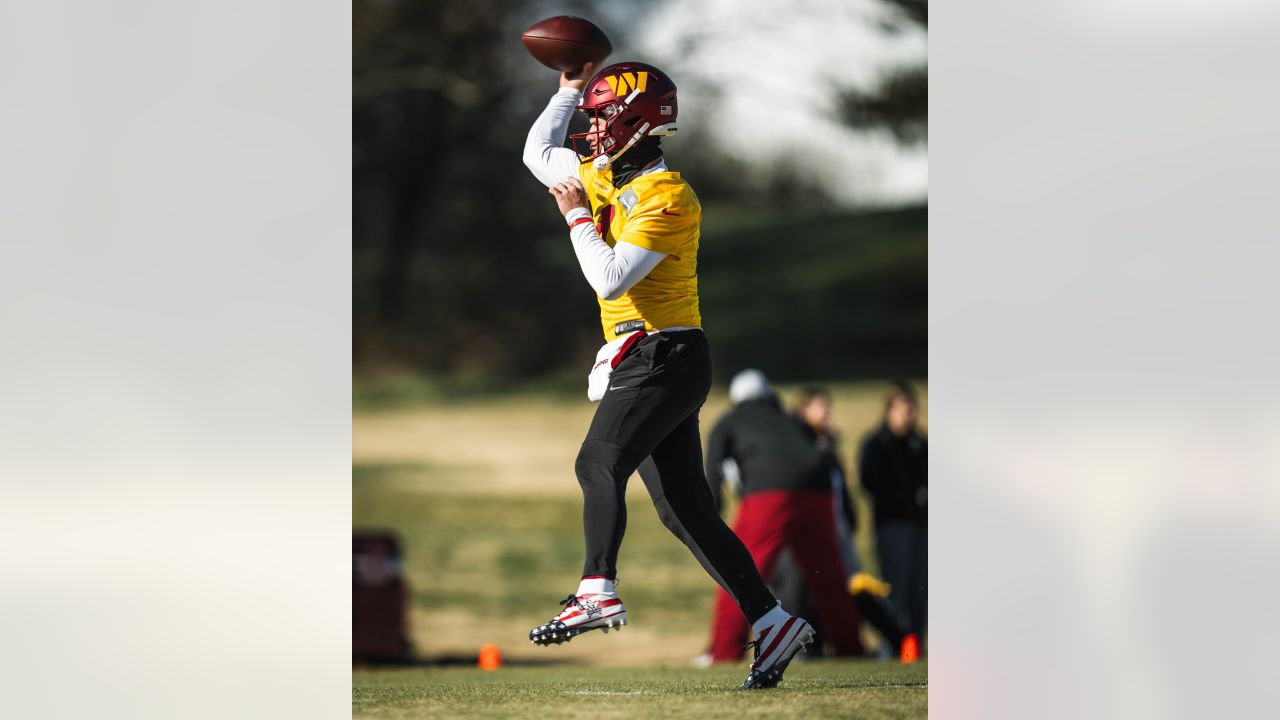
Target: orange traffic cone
[
  {"x": 490, "y": 657},
  {"x": 910, "y": 649}
]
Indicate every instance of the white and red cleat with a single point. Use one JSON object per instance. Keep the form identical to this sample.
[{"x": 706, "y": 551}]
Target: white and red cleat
[
  {"x": 588, "y": 611},
  {"x": 775, "y": 646}
]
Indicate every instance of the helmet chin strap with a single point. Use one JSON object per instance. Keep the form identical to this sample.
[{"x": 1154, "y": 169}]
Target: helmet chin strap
[{"x": 605, "y": 161}]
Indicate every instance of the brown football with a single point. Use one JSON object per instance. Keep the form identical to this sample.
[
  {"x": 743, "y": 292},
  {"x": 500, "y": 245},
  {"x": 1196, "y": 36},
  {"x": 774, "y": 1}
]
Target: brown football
[{"x": 566, "y": 42}]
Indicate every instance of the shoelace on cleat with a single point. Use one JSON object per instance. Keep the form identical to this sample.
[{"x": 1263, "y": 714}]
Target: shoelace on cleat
[
  {"x": 576, "y": 601},
  {"x": 757, "y": 645}
]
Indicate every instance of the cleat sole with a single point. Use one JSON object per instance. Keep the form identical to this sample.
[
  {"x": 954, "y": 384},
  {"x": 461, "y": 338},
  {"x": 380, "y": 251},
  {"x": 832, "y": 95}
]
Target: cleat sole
[{"x": 544, "y": 636}]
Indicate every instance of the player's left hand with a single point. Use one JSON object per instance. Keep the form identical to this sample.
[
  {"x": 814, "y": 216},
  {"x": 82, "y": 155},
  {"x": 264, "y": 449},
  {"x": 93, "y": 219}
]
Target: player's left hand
[{"x": 569, "y": 195}]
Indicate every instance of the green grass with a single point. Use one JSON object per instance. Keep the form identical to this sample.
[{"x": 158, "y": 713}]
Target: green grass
[
  {"x": 525, "y": 550},
  {"x": 818, "y": 689},
  {"x": 390, "y": 389},
  {"x": 487, "y": 560}
]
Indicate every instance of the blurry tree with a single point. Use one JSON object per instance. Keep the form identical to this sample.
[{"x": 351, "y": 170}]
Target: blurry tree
[
  {"x": 461, "y": 268},
  {"x": 917, "y": 10},
  {"x": 455, "y": 269},
  {"x": 899, "y": 102}
]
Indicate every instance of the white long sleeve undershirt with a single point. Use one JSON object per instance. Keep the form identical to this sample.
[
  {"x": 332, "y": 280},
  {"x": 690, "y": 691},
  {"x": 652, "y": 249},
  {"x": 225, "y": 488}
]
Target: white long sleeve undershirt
[
  {"x": 544, "y": 152},
  {"x": 611, "y": 271}
]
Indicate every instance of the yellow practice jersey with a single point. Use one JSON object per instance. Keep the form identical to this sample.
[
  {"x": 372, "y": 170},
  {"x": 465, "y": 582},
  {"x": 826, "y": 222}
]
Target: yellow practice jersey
[{"x": 656, "y": 211}]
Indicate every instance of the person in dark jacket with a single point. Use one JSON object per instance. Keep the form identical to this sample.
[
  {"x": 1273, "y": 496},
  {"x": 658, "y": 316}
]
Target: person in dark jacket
[
  {"x": 813, "y": 412},
  {"x": 894, "y": 470},
  {"x": 764, "y": 454}
]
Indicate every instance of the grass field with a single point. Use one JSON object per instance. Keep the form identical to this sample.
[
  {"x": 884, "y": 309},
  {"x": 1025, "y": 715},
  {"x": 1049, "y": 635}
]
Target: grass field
[
  {"x": 482, "y": 495},
  {"x": 817, "y": 689}
]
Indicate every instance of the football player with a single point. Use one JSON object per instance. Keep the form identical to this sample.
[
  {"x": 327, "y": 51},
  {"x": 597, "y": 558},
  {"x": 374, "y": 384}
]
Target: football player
[{"x": 634, "y": 225}]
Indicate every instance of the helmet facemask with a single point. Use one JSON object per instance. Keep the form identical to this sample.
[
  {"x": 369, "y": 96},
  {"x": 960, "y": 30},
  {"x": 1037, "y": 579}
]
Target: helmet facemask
[{"x": 613, "y": 136}]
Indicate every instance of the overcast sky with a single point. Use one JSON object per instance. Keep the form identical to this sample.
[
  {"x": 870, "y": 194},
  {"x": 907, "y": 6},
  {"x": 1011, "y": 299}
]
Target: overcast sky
[{"x": 775, "y": 71}]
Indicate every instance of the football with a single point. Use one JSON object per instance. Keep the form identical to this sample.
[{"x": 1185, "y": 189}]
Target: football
[{"x": 566, "y": 43}]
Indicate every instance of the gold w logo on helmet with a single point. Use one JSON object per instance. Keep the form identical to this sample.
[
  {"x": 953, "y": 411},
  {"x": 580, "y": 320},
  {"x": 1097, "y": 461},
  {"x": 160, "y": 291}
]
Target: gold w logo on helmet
[{"x": 624, "y": 83}]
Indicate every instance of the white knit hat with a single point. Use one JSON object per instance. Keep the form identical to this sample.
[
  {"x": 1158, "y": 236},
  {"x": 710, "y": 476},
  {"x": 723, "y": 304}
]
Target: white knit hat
[{"x": 748, "y": 385}]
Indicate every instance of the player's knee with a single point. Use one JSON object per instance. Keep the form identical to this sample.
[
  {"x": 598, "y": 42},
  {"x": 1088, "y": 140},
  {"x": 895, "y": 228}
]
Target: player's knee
[{"x": 598, "y": 462}]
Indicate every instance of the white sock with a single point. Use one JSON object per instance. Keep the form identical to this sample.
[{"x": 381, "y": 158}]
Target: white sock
[
  {"x": 769, "y": 619},
  {"x": 595, "y": 586}
]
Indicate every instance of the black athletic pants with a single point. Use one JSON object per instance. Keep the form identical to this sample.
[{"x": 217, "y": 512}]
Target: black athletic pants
[
  {"x": 648, "y": 419},
  {"x": 904, "y": 560}
]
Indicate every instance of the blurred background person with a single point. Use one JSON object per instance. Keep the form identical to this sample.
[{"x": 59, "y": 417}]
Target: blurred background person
[
  {"x": 786, "y": 504},
  {"x": 894, "y": 472},
  {"x": 813, "y": 411}
]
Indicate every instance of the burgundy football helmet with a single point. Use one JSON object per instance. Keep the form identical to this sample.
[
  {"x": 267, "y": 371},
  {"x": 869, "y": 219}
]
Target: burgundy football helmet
[{"x": 635, "y": 100}]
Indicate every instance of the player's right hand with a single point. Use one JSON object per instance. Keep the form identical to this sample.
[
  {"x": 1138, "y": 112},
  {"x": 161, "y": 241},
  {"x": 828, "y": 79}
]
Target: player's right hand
[
  {"x": 578, "y": 79},
  {"x": 569, "y": 195}
]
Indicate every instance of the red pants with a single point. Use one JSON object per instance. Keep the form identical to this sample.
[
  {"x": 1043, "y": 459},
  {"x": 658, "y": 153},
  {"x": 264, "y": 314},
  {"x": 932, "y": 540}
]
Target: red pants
[{"x": 804, "y": 521}]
